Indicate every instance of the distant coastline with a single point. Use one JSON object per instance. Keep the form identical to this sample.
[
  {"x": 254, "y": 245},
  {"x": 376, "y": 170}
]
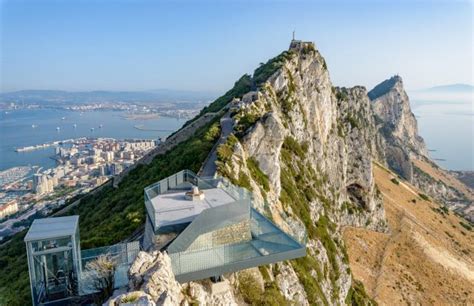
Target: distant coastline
[
  {"x": 141, "y": 116},
  {"x": 142, "y": 127}
]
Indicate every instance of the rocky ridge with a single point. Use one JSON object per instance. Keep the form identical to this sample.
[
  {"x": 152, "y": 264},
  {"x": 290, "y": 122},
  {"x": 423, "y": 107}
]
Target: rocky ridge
[
  {"x": 397, "y": 125},
  {"x": 406, "y": 152},
  {"x": 306, "y": 150}
]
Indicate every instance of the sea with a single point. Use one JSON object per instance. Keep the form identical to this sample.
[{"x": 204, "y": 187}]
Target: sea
[
  {"x": 447, "y": 126},
  {"x": 27, "y": 127}
]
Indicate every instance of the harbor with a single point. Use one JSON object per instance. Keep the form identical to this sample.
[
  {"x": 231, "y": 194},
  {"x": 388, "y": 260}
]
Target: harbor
[{"x": 47, "y": 145}]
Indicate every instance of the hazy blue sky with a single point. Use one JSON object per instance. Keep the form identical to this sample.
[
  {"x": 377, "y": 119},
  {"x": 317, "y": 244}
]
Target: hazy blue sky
[{"x": 207, "y": 45}]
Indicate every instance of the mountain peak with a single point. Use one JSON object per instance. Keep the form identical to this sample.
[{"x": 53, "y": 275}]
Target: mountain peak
[{"x": 385, "y": 87}]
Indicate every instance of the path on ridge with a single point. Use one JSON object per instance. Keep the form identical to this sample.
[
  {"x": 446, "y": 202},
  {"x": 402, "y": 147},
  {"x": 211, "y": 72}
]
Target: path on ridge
[{"x": 210, "y": 168}]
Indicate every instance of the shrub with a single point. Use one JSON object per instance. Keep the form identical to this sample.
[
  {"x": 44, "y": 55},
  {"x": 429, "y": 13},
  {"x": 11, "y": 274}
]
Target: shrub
[
  {"x": 265, "y": 71},
  {"x": 395, "y": 181},
  {"x": 257, "y": 174},
  {"x": 466, "y": 226},
  {"x": 243, "y": 181},
  {"x": 249, "y": 288},
  {"x": 247, "y": 120},
  {"x": 424, "y": 197},
  {"x": 357, "y": 295},
  {"x": 130, "y": 298},
  {"x": 341, "y": 94},
  {"x": 101, "y": 271},
  {"x": 253, "y": 294},
  {"x": 293, "y": 146}
]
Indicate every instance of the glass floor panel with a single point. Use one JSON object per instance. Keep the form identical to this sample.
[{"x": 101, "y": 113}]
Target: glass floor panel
[{"x": 267, "y": 240}]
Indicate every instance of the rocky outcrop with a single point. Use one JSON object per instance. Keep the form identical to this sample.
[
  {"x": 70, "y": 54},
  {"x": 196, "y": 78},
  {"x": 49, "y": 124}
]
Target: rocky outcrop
[
  {"x": 152, "y": 282},
  {"x": 405, "y": 149},
  {"x": 397, "y": 125}
]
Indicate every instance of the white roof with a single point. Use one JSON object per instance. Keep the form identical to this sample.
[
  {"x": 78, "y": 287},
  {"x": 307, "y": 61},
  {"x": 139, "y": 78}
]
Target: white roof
[
  {"x": 174, "y": 208},
  {"x": 52, "y": 228}
]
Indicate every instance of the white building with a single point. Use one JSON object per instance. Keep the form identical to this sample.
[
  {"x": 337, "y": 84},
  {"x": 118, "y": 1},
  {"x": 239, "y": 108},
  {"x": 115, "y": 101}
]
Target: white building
[{"x": 8, "y": 208}]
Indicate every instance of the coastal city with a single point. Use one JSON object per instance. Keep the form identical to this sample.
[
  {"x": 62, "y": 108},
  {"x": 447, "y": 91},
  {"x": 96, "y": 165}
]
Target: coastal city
[
  {"x": 82, "y": 165},
  {"x": 185, "y": 110}
]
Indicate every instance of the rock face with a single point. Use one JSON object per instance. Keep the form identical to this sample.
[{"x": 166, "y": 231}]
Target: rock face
[
  {"x": 306, "y": 148},
  {"x": 398, "y": 126},
  {"x": 405, "y": 151},
  {"x": 152, "y": 282}
]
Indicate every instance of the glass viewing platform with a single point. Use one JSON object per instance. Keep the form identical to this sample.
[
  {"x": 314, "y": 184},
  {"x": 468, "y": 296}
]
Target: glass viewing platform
[{"x": 216, "y": 229}]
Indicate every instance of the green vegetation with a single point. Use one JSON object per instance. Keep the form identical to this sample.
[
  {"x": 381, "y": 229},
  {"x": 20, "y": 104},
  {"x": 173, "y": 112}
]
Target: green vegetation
[
  {"x": 254, "y": 295},
  {"x": 262, "y": 73},
  {"x": 325, "y": 66},
  {"x": 246, "y": 119},
  {"x": 225, "y": 150},
  {"x": 308, "y": 49},
  {"x": 295, "y": 147},
  {"x": 443, "y": 210},
  {"x": 303, "y": 268},
  {"x": 322, "y": 232},
  {"x": 110, "y": 215},
  {"x": 224, "y": 155},
  {"x": 357, "y": 295},
  {"x": 300, "y": 185},
  {"x": 241, "y": 87},
  {"x": 424, "y": 197},
  {"x": 341, "y": 94},
  {"x": 353, "y": 122},
  {"x": 352, "y": 208},
  {"x": 466, "y": 226},
  {"x": 130, "y": 298},
  {"x": 257, "y": 174},
  {"x": 242, "y": 181},
  {"x": 395, "y": 181}
]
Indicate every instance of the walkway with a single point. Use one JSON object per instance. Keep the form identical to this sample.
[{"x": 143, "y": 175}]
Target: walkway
[{"x": 209, "y": 168}]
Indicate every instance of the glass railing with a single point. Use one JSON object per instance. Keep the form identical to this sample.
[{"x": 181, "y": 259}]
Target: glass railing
[
  {"x": 122, "y": 254},
  {"x": 183, "y": 180},
  {"x": 267, "y": 239},
  {"x": 298, "y": 233}
]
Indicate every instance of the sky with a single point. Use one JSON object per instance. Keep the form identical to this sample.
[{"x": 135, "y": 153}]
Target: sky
[{"x": 208, "y": 45}]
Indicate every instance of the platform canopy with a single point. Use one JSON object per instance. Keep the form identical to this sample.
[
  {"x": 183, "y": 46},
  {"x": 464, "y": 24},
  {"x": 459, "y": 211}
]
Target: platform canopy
[{"x": 48, "y": 228}]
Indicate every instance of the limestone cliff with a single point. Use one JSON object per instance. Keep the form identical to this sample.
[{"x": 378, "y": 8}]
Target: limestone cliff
[
  {"x": 305, "y": 149},
  {"x": 398, "y": 125},
  {"x": 406, "y": 152}
]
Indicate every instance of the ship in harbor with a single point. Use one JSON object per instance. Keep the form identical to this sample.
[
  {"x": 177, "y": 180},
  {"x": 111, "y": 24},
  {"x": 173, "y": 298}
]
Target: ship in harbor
[{"x": 47, "y": 145}]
